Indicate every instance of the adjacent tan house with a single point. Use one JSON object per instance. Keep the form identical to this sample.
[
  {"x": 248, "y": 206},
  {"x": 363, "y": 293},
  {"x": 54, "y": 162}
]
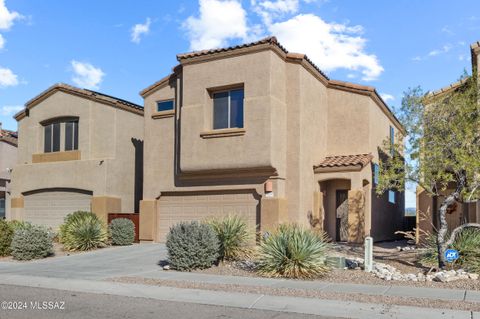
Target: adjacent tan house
[
  {"x": 8, "y": 158},
  {"x": 258, "y": 131},
  {"x": 77, "y": 150},
  {"x": 427, "y": 206}
]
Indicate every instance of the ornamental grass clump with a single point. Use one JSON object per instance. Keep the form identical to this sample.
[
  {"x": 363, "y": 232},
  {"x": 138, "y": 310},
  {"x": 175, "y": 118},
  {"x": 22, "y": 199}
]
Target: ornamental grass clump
[
  {"x": 6, "y": 235},
  {"x": 192, "y": 245},
  {"x": 122, "y": 231},
  {"x": 32, "y": 242},
  {"x": 234, "y": 236},
  {"x": 292, "y": 251},
  {"x": 83, "y": 231}
]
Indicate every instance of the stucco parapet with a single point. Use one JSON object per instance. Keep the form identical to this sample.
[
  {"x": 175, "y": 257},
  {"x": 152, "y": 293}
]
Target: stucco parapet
[{"x": 223, "y": 133}]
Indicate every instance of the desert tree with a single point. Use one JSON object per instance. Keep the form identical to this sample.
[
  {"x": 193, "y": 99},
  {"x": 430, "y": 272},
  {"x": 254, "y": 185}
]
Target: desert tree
[{"x": 441, "y": 152}]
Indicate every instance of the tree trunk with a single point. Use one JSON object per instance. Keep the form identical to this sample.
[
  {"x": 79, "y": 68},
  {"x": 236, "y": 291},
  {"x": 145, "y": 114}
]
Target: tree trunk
[{"x": 449, "y": 201}]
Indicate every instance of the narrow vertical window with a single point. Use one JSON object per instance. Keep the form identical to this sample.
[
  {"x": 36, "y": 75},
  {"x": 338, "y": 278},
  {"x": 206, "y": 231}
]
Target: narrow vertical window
[
  {"x": 391, "y": 197},
  {"x": 55, "y": 137},
  {"x": 71, "y": 135},
  {"x": 392, "y": 140},
  {"x": 48, "y": 139},
  {"x": 220, "y": 110},
  {"x": 376, "y": 173}
]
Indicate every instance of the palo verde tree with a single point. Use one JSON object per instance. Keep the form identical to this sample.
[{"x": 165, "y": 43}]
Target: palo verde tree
[{"x": 442, "y": 151}]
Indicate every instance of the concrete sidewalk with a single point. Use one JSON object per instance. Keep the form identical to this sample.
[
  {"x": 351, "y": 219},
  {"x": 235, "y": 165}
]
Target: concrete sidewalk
[
  {"x": 329, "y": 308},
  {"x": 379, "y": 290}
]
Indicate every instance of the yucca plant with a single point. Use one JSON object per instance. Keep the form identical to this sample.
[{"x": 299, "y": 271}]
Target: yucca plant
[
  {"x": 468, "y": 245},
  {"x": 292, "y": 251},
  {"x": 234, "y": 236},
  {"x": 83, "y": 231}
]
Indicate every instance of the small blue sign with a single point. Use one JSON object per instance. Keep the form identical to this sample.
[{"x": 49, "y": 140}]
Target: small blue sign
[{"x": 451, "y": 255}]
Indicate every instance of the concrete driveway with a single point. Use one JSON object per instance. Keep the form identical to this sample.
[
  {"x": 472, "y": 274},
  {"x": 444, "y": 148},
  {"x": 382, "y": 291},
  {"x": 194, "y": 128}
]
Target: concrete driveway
[{"x": 99, "y": 264}]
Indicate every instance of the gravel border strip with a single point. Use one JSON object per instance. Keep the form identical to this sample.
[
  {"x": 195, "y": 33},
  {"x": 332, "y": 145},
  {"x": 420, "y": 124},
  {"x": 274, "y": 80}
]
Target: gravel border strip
[{"x": 387, "y": 300}]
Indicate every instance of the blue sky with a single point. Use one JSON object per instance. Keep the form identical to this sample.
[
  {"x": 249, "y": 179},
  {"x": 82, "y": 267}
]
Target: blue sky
[{"x": 121, "y": 47}]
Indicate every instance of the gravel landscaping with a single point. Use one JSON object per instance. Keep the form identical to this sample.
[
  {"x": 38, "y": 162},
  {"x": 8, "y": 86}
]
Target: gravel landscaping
[{"x": 387, "y": 300}]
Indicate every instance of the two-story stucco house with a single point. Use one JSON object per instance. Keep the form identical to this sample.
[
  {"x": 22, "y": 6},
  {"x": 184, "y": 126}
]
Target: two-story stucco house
[
  {"x": 258, "y": 131},
  {"x": 77, "y": 150},
  {"x": 8, "y": 158},
  {"x": 428, "y": 206}
]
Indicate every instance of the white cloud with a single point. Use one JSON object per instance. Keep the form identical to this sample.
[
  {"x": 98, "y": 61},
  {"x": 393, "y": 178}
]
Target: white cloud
[
  {"x": 387, "y": 97},
  {"x": 2, "y": 41},
  {"x": 7, "y": 78},
  {"x": 218, "y": 22},
  {"x": 140, "y": 29},
  {"x": 8, "y": 110},
  {"x": 331, "y": 46},
  {"x": 86, "y": 75},
  {"x": 7, "y": 17},
  {"x": 444, "y": 49}
]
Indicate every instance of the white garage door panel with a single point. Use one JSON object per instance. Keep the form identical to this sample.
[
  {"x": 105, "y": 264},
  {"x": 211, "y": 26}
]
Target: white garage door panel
[
  {"x": 173, "y": 209},
  {"x": 50, "y": 208}
]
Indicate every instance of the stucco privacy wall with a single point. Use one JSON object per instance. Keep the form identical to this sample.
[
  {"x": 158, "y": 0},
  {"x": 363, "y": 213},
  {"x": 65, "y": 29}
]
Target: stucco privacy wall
[{"x": 106, "y": 145}]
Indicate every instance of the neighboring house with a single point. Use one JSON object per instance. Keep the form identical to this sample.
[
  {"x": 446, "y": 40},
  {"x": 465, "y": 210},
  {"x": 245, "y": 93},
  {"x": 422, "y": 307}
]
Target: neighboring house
[
  {"x": 8, "y": 158},
  {"x": 77, "y": 150},
  {"x": 427, "y": 206},
  {"x": 257, "y": 131}
]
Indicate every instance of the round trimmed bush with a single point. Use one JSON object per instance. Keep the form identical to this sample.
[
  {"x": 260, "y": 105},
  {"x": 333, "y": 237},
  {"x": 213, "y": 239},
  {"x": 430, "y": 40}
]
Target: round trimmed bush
[
  {"x": 32, "y": 243},
  {"x": 83, "y": 231},
  {"x": 293, "y": 252},
  {"x": 122, "y": 231},
  {"x": 6, "y": 235},
  {"x": 192, "y": 245}
]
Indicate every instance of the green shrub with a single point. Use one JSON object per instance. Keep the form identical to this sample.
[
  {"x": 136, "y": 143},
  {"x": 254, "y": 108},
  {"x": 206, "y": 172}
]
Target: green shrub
[
  {"x": 32, "y": 243},
  {"x": 122, "y": 231},
  {"x": 6, "y": 235},
  {"x": 192, "y": 245},
  {"x": 233, "y": 235},
  {"x": 468, "y": 245},
  {"x": 83, "y": 231},
  {"x": 293, "y": 252},
  {"x": 20, "y": 224}
]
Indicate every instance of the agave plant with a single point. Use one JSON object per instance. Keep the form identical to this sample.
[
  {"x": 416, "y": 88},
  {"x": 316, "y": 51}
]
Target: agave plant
[
  {"x": 83, "y": 231},
  {"x": 234, "y": 236},
  {"x": 292, "y": 251}
]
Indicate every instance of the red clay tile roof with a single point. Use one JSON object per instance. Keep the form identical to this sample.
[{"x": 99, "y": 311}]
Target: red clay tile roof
[
  {"x": 345, "y": 161},
  {"x": 10, "y": 137}
]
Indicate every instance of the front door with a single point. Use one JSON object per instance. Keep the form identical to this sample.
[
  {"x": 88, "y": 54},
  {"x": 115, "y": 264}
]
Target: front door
[{"x": 342, "y": 215}]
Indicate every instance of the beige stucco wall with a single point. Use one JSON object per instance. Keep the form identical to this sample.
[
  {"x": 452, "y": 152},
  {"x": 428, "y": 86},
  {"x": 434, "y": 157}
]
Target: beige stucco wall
[
  {"x": 8, "y": 158},
  {"x": 292, "y": 121},
  {"x": 107, "y": 164}
]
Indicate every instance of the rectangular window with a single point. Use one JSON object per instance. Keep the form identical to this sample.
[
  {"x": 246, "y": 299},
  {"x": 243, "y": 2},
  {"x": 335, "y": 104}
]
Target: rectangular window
[
  {"x": 391, "y": 197},
  {"x": 164, "y": 106},
  {"x": 2, "y": 207},
  {"x": 71, "y": 135},
  {"x": 376, "y": 173},
  {"x": 52, "y": 138},
  {"x": 228, "y": 109}
]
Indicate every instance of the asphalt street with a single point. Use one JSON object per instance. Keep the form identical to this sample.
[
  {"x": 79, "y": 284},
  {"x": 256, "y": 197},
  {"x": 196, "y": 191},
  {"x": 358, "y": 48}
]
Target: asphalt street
[{"x": 51, "y": 304}]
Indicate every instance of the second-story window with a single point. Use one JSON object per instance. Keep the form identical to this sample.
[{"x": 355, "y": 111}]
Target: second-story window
[
  {"x": 53, "y": 135},
  {"x": 392, "y": 140},
  {"x": 228, "y": 109},
  {"x": 165, "y": 105},
  {"x": 71, "y": 135},
  {"x": 52, "y": 138}
]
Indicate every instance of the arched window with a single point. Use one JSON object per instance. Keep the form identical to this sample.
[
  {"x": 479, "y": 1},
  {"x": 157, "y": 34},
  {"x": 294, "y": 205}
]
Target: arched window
[{"x": 58, "y": 129}]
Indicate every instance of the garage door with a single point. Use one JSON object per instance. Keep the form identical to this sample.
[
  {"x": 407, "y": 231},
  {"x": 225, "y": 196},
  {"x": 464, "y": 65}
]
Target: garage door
[
  {"x": 49, "y": 207},
  {"x": 174, "y": 208}
]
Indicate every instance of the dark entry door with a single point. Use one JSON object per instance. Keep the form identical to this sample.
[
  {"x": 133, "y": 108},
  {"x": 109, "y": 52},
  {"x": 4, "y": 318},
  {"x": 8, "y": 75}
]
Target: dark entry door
[{"x": 342, "y": 215}]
